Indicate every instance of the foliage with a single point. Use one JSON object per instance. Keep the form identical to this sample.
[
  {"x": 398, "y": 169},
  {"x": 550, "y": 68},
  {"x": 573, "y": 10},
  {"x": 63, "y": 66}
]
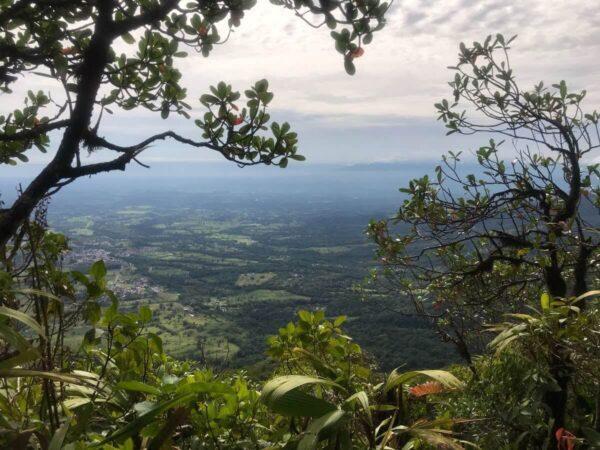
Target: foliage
[
  {"x": 118, "y": 389},
  {"x": 328, "y": 380},
  {"x": 508, "y": 395},
  {"x": 477, "y": 245},
  {"x": 505, "y": 401},
  {"x": 118, "y": 386}
]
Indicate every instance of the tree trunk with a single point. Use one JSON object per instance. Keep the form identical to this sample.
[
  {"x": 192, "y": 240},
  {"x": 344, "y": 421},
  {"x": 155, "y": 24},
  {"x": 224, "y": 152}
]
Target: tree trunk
[
  {"x": 559, "y": 365},
  {"x": 561, "y": 371},
  {"x": 11, "y": 219},
  {"x": 90, "y": 72},
  {"x": 597, "y": 412}
]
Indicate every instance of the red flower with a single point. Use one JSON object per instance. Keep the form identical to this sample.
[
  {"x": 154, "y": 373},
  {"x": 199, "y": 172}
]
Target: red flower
[{"x": 565, "y": 439}]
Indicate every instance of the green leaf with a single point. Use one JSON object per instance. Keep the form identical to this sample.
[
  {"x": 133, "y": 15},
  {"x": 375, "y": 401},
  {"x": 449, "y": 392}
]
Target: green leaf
[
  {"x": 37, "y": 292},
  {"x": 445, "y": 378},
  {"x": 59, "y": 437},
  {"x": 283, "y": 396},
  {"x": 70, "y": 378},
  {"x": 13, "y": 337},
  {"x": 320, "y": 427},
  {"x": 128, "y": 38},
  {"x": 349, "y": 66},
  {"x": 208, "y": 99},
  {"x": 339, "y": 320},
  {"x": 98, "y": 270},
  {"x": 501, "y": 341},
  {"x": 23, "y": 357},
  {"x": 588, "y": 294},
  {"x": 145, "y": 313},
  {"x": 203, "y": 387},
  {"x": 433, "y": 437},
  {"x": 322, "y": 368},
  {"x": 563, "y": 89},
  {"x": 362, "y": 398},
  {"x": 145, "y": 419},
  {"x": 545, "y": 301},
  {"x": 138, "y": 386},
  {"x": 23, "y": 318},
  {"x": 592, "y": 437},
  {"x": 76, "y": 402},
  {"x": 305, "y": 315}
]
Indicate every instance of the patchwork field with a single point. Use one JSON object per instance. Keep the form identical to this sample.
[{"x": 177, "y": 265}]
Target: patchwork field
[{"x": 221, "y": 274}]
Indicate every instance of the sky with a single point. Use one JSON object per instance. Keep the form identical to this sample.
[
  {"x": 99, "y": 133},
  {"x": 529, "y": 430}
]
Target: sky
[{"x": 385, "y": 112}]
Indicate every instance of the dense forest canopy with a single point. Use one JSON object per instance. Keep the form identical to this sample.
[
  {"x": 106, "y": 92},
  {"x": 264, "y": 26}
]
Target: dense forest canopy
[{"x": 502, "y": 263}]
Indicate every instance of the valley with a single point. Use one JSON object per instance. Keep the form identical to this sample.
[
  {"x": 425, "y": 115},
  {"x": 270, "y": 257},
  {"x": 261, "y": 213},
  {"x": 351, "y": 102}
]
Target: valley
[{"x": 223, "y": 270}]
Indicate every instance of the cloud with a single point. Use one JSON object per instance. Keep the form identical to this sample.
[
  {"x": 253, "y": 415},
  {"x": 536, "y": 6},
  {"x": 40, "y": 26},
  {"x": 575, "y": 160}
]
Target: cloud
[
  {"x": 385, "y": 111},
  {"x": 404, "y": 71}
]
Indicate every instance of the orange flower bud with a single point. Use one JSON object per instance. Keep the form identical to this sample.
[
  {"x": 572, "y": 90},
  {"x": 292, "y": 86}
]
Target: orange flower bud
[
  {"x": 430, "y": 387},
  {"x": 565, "y": 439},
  {"x": 358, "y": 52}
]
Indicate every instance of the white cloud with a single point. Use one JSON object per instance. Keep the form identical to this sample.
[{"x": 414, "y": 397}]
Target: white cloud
[
  {"x": 404, "y": 71},
  {"x": 401, "y": 75}
]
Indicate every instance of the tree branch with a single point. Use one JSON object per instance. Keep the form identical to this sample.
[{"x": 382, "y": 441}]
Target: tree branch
[
  {"x": 34, "y": 132},
  {"x": 93, "y": 140}
]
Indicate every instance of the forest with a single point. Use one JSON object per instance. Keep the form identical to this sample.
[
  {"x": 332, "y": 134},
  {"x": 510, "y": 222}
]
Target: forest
[{"x": 142, "y": 318}]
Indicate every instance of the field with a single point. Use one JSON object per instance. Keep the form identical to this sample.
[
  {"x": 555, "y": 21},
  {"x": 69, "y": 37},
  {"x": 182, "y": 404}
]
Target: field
[{"x": 223, "y": 272}]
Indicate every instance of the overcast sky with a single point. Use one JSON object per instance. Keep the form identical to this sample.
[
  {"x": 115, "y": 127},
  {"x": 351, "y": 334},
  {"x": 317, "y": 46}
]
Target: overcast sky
[{"x": 385, "y": 112}]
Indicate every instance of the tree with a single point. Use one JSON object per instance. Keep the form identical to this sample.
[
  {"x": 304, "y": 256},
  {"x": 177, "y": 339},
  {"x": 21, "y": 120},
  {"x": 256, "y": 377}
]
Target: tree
[
  {"x": 509, "y": 392},
  {"x": 474, "y": 246},
  {"x": 326, "y": 379},
  {"x": 73, "y": 43}
]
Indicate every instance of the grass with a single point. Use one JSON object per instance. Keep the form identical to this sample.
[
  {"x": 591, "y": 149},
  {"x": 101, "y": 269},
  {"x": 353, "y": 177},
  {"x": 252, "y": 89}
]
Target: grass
[
  {"x": 259, "y": 295},
  {"x": 135, "y": 210},
  {"x": 83, "y": 224},
  {"x": 335, "y": 250},
  {"x": 82, "y": 231},
  {"x": 158, "y": 256},
  {"x": 254, "y": 279},
  {"x": 182, "y": 330},
  {"x": 235, "y": 238},
  {"x": 168, "y": 271}
]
